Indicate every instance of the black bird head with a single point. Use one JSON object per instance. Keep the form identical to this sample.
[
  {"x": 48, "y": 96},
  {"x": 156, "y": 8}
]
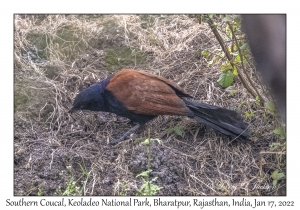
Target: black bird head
[{"x": 91, "y": 98}]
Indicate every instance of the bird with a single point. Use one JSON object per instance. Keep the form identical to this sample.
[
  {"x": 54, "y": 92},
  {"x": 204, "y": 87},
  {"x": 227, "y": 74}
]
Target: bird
[{"x": 141, "y": 96}]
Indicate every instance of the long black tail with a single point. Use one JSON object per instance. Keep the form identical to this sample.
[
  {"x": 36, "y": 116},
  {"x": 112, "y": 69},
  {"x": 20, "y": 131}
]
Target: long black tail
[{"x": 223, "y": 120}]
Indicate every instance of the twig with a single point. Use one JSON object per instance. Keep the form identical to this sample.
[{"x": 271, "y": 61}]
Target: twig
[
  {"x": 52, "y": 156},
  {"x": 243, "y": 67},
  {"x": 229, "y": 57},
  {"x": 202, "y": 182},
  {"x": 278, "y": 153}
]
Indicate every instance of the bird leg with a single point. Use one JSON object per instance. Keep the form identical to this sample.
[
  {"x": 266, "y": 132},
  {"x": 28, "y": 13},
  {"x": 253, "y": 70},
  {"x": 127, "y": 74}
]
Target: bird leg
[{"x": 122, "y": 138}]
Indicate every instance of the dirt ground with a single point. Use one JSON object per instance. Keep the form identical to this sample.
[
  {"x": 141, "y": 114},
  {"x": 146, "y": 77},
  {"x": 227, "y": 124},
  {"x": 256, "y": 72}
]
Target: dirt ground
[{"x": 58, "y": 153}]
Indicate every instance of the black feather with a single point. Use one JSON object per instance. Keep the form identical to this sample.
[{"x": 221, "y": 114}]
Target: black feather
[{"x": 223, "y": 120}]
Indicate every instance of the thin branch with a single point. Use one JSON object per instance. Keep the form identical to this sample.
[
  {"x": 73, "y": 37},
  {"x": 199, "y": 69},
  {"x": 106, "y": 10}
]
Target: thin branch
[
  {"x": 278, "y": 153},
  {"x": 229, "y": 56},
  {"x": 243, "y": 67}
]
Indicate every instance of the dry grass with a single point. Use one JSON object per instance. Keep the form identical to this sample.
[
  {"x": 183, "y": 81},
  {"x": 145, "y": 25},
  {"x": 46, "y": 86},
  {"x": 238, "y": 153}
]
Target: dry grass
[{"x": 78, "y": 50}]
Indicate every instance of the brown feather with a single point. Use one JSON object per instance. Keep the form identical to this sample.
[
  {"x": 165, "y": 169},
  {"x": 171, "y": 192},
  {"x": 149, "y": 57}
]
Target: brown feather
[{"x": 144, "y": 93}]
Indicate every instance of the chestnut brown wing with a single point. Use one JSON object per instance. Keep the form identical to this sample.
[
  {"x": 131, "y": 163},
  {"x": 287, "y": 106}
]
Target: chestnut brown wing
[{"x": 144, "y": 93}]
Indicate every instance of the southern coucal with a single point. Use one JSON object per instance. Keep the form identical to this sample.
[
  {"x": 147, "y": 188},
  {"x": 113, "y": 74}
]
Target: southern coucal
[{"x": 141, "y": 96}]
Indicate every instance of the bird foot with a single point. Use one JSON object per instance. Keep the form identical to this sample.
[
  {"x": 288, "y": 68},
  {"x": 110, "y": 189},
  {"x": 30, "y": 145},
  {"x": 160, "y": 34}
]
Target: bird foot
[
  {"x": 127, "y": 134},
  {"x": 116, "y": 141}
]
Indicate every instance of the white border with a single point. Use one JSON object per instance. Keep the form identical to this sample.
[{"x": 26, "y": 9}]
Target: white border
[{"x": 153, "y": 6}]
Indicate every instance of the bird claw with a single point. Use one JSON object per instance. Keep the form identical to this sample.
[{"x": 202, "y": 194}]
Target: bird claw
[
  {"x": 127, "y": 134},
  {"x": 116, "y": 141}
]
